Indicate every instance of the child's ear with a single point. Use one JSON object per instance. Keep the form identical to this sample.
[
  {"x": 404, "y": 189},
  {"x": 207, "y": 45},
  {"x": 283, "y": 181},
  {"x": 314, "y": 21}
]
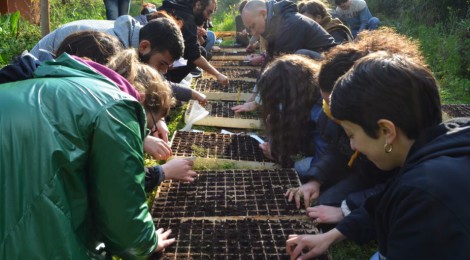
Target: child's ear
[{"x": 387, "y": 129}]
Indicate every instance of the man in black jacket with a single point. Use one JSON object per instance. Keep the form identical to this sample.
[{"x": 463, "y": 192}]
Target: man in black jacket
[
  {"x": 193, "y": 14},
  {"x": 285, "y": 30}
]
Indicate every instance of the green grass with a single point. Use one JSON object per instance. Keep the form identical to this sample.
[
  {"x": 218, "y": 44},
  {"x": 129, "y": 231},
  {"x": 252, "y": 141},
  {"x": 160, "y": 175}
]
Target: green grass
[
  {"x": 448, "y": 56},
  {"x": 347, "y": 250}
]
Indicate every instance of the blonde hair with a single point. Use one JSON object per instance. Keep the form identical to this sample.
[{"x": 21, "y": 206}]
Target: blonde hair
[{"x": 156, "y": 94}]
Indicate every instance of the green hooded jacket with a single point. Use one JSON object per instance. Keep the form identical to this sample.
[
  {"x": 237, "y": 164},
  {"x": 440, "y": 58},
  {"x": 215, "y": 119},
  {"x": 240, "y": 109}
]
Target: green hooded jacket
[{"x": 71, "y": 167}]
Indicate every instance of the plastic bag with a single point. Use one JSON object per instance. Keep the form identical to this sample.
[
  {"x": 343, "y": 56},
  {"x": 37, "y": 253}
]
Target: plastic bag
[{"x": 196, "y": 113}]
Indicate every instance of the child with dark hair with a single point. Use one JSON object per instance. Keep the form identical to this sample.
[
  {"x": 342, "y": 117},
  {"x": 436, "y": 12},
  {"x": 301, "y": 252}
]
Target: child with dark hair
[
  {"x": 318, "y": 11},
  {"x": 159, "y": 42},
  {"x": 389, "y": 107},
  {"x": 344, "y": 179},
  {"x": 291, "y": 105}
]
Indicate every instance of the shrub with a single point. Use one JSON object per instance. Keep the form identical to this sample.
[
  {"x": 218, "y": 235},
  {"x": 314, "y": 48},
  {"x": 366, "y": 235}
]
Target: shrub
[
  {"x": 16, "y": 35},
  {"x": 224, "y": 18}
]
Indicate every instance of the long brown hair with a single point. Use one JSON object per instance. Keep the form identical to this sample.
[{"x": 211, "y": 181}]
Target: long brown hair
[
  {"x": 288, "y": 88},
  {"x": 155, "y": 91}
]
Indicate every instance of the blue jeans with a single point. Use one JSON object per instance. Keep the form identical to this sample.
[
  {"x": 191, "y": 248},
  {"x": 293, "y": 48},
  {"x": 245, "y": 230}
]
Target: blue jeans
[
  {"x": 210, "y": 41},
  {"x": 372, "y": 24},
  {"x": 302, "y": 166},
  {"x": 116, "y": 8}
]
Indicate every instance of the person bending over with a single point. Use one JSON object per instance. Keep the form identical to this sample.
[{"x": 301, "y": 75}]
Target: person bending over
[{"x": 390, "y": 109}]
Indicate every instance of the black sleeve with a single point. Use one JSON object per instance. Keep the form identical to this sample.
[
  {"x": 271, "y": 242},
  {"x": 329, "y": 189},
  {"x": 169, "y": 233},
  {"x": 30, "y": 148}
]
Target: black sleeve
[
  {"x": 153, "y": 177},
  {"x": 330, "y": 168},
  {"x": 296, "y": 32},
  {"x": 20, "y": 69},
  {"x": 358, "y": 226},
  {"x": 191, "y": 43},
  {"x": 333, "y": 165}
]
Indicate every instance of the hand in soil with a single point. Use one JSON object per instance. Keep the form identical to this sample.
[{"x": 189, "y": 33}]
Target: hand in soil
[
  {"x": 162, "y": 130},
  {"x": 308, "y": 246},
  {"x": 157, "y": 148},
  {"x": 247, "y": 107},
  {"x": 163, "y": 240},
  {"x": 309, "y": 192},
  {"x": 222, "y": 79},
  {"x": 266, "y": 148},
  {"x": 196, "y": 95},
  {"x": 256, "y": 60},
  {"x": 179, "y": 169},
  {"x": 325, "y": 214}
]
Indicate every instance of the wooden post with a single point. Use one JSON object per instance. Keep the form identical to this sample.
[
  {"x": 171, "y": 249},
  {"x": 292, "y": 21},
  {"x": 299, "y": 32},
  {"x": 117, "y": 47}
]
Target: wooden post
[{"x": 45, "y": 18}]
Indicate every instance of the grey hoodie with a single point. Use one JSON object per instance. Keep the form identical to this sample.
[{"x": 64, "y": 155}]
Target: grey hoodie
[{"x": 125, "y": 28}]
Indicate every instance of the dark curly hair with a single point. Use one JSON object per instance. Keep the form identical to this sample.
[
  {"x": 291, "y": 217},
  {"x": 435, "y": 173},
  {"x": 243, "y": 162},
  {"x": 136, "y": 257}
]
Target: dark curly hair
[{"x": 288, "y": 89}]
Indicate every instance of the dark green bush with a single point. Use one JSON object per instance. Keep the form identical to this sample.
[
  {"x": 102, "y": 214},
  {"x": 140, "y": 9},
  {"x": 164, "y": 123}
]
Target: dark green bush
[
  {"x": 16, "y": 35},
  {"x": 427, "y": 12}
]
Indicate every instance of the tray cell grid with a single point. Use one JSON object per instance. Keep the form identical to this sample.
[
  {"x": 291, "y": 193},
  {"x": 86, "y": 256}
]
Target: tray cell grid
[
  {"x": 229, "y": 63},
  {"x": 235, "y": 86},
  {"x": 223, "y": 109},
  {"x": 214, "y": 145},
  {"x": 228, "y": 193},
  {"x": 239, "y": 73},
  {"x": 231, "y": 239}
]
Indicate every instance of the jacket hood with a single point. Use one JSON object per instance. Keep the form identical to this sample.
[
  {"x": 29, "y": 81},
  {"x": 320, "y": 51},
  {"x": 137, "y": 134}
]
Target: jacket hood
[{"x": 451, "y": 138}]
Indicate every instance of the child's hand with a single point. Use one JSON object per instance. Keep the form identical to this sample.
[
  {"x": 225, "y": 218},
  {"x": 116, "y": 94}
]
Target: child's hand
[
  {"x": 180, "y": 169},
  {"x": 309, "y": 192},
  {"x": 266, "y": 148},
  {"x": 196, "y": 95},
  {"x": 157, "y": 148},
  {"x": 248, "y": 106}
]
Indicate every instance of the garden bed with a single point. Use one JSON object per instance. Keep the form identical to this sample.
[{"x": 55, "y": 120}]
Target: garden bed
[
  {"x": 237, "y": 90},
  {"x": 237, "y": 73},
  {"x": 231, "y": 214},
  {"x": 221, "y": 115}
]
